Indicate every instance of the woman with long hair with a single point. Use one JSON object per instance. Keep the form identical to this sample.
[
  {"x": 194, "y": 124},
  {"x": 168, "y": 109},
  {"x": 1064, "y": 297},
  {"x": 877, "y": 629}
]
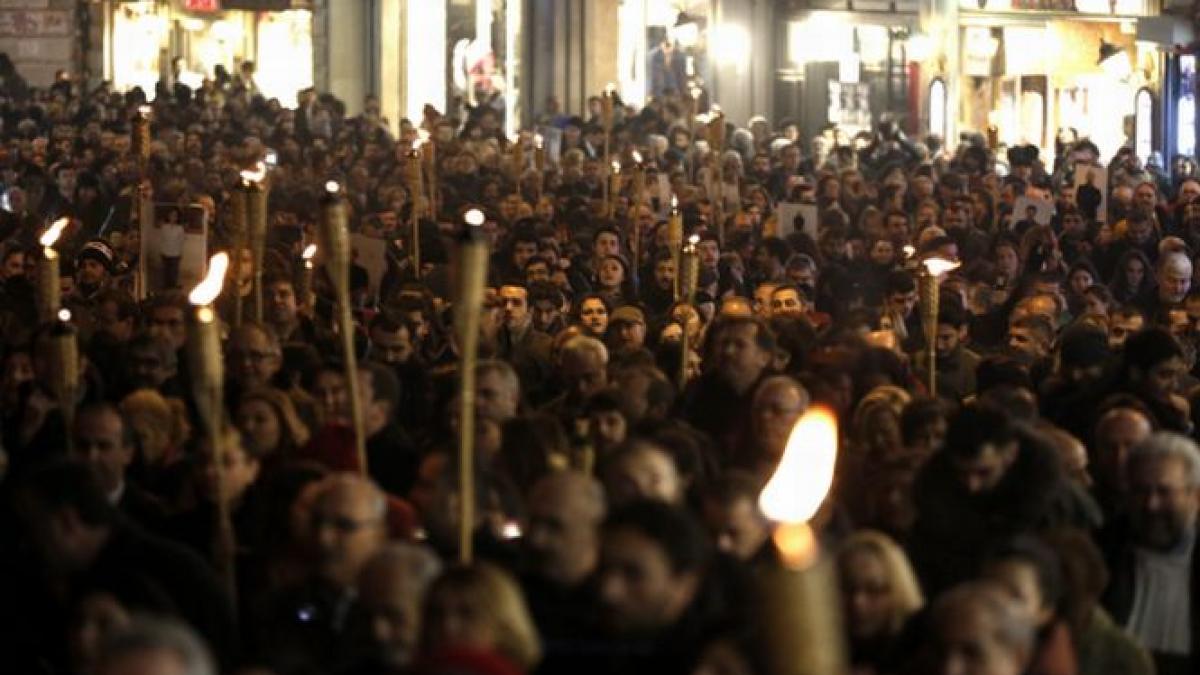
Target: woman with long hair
[
  {"x": 880, "y": 593},
  {"x": 1132, "y": 278}
]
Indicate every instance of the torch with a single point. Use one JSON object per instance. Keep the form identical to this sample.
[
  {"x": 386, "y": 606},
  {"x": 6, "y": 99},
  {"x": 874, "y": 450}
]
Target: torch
[
  {"x": 306, "y": 277},
  {"x": 416, "y": 190},
  {"x": 49, "y": 288},
  {"x": 675, "y": 239},
  {"x": 689, "y": 277},
  {"x": 802, "y": 629},
  {"x": 614, "y": 191},
  {"x": 429, "y": 154},
  {"x": 143, "y": 201},
  {"x": 208, "y": 381},
  {"x": 65, "y": 365},
  {"x": 606, "y": 118},
  {"x": 639, "y": 194},
  {"x": 935, "y": 269},
  {"x": 335, "y": 241},
  {"x": 472, "y": 276},
  {"x": 237, "y": 235},
  {"x": 256, "y": 220},
  {"x": 696, "y": 93}
]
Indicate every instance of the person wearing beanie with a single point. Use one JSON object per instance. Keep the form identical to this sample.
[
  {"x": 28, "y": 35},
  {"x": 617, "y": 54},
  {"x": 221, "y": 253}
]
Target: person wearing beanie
[{"x": 93, "y": 269}]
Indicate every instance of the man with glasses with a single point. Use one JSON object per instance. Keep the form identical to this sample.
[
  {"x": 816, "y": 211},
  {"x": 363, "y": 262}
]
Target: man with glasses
[{"x": 254, "y": 356}]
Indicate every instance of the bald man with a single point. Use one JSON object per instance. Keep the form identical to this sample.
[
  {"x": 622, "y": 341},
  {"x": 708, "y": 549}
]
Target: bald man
[
  {"x": 1117, "y": 432},
  {"x": 391, "y": 588}
]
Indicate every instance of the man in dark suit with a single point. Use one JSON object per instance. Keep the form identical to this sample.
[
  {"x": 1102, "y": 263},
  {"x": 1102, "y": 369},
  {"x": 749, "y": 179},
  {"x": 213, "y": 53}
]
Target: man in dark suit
[
  {"x": 105, "y": 441},
  {"x": 522, "y": 345}
]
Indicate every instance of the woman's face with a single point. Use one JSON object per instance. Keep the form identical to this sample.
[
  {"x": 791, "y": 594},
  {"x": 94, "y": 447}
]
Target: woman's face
[
  {"x": 257, "y": 420},
  {"x": 1080, "y": 281},
  {"x": 866, "y": 596},
  {"x": 455, "y": 620},
  {"x": 612, "y": 275},
  {"x": 1135, "y": 272}
]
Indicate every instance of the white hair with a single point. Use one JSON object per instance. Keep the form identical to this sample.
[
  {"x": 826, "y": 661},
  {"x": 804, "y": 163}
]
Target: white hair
[
  {"x": 1169, "y": 445},
  {"x": 152, "y": 634},
  {"x": 583, "y": 344}
]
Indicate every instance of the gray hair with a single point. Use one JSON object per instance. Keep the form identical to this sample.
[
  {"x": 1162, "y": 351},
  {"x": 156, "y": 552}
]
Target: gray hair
[
  {"x": 502, "y": 368},
  {"x": 1169, "y": 445},
  {"x": 418, "y": 563},
  {"x": 151, "y": 634},
  {"x": 1012, "y": 628},
  {"x": 583, "y": 344}
]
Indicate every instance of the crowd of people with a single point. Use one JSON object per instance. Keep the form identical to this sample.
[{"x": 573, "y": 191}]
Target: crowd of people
[{"x": 1035, "y": 512}]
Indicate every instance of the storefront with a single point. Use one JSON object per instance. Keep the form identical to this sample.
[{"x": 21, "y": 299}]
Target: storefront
[
  {"x": 848, "y": 69},
  {"x": 1040, "y": 70},
  {"x": 150, "y": 40}
]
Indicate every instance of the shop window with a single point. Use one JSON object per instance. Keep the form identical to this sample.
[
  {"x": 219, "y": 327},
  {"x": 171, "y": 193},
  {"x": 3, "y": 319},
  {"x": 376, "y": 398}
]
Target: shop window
[
  {"x": 937, "y": 107},
  {"x": 1143, "y": 124}
]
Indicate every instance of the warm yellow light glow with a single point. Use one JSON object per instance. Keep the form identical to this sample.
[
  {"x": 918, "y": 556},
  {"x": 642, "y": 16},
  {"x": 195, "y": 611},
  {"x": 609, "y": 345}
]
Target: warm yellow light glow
[
  {"x": 616, "y": 166},
  {"x": 309, "y": 252},
  {"x": 51, "y": 235},
  {"x": 694, "y": 239},
  {"x": 144, "y": 110},
  {"x": 537, "y": 141},
  {"x": 909, "y": 250},
  {"x": 805, "y": 473},
  {"x": 206, "y": 315},
  {"x": 674, "y": 202},
  {"x": 255, "y": 175},
  {"x": 610, "y": 89},
  {"x": 209, "y": 288},
  {"x": 637, "y": 156},
  {"x": 64, "y": 315},
  {"x": 332, "y": 187},
  {"x": 938, "y": 266},
  {"x": 474, "y": 217}
]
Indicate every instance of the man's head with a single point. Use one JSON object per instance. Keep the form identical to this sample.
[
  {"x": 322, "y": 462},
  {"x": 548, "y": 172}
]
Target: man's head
[
  {"x": 732, "y": 515},
  {"x": 1123, "y": 322},
  {"x": 391, "y": 340},
  {"x": 664, "y": 272},
  {"x": 593, "y": 315},
  {"x": 515, "y": 301},
  {"x": 66, "y": 514},
  {"x": 582, "y": 365},
  {"x": 152, "y": 361},
  {"x": 168, "y": 319},
  {"x": 1154, "y": 359},
  {"x": 645, "y": 393},
  {"x": 391, "y": 588},
  {"x": 116, "y": 314},
  {"x": 779, "y": 401},
  {"x": 1117, "y": 432},
  {"x": 787, "y": 300},
  {"x": 155, "y": 646},
  {"x": 254, "y": 355},
  {"x": 497, "y": 390},
  {"x": 951, "y": 330},
  {"x": 901, "y": 293},
  {"x": 982, "y": 446},
  {"x": 547, "y": 305},
  {"x": 565, "y": 512},
  {"x": 282, "y": 305},
  {"x": 627, "y": 329},
  {"x": 346, "y": 525},
  {"x": 1163, "y": 475},
  {"x": 745, "y": 348},
  {"x": 380, "y": 391},
  {"x": 1030, "y": 336},
  {"x": 104, "y": 441},
  {"x": 653, "y": 561},
  {"x": 1174, "y": 274},
  {"x": 762, "y": 298}
]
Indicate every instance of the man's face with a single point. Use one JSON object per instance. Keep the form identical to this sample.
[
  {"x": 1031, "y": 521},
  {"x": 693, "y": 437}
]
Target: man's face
[
  {"x": 392, "y": 347},
  {"x": 902, "y": 304},
  {"x": 787, "y": 302},
  {"x": 109, "y": 322},
  {"x": 1139, "y": 231},
  {"x": 607, "y": 244},
  {"x": 345, "y": 529},
  {"x": 253, "y": 358},
  {"x": 594, "y": 316},
  {"x": 391, "y": 602},
  {"x": 1162, "y": 501},
  {"x": 737, "y": 527},
  {"x": 545, "y": 314},
  {"x": 14, "y": 266},
  {"x": 494, "y": 396},
  {"x": 1188, "y": 191},
  {"x": 664, "y": 274},
  {"x": 516, "y": 306},
  {"x": 169, "y": 323},
  {"x": 740, "y": 359},
  {"x": 777, "y": 406},
  {"x": 1025, "y": 340},
  {"x": 639, "y": 591},
  {"x": 283, "y": 303},
  {"x": 584, "y": 372},
  {"x": 948, "y": 338},
  {"x": 563, "y": 537},
  {"x": 1121, "y": 327},
  {"x": 983, "y": 473},
  {"x": 523, "y": 251},
  {"x": 762, "y": 300},
  {"x": 147, "y": 368},
  {"x": 631, "y": 335},
  {"x": 537, "y": 272},
  {"x": 1173, "y": 283},
  {"x": 1145, "y": 197},
  {"x": 90, "y": 272},
  {"x": 333, "y": 397},
  {"x": 100, "y": 441},
  {"x": 710, "y": 253},
  {"x": 1162, "y": 379}
]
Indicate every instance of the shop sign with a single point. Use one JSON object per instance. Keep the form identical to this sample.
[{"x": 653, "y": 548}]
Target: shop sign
[{"x": 18, "y": 23}]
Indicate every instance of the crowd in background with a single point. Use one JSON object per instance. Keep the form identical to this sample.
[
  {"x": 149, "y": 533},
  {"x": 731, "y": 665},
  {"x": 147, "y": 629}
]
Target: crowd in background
[{"x": 1037, "y": 514}]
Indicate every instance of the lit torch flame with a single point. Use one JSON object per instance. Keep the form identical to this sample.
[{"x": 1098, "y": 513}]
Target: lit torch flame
[
  {"x": 51, "y": 235},
  {"x": 474, "y": 217},
  {"x": 637, "y": 156},
  {"x": 909, "y": 250},
  {"x": 610, "y": 89},
  {"x": 144, "y": 110},
  {"x": 255, "y": 175},
  {"x": 332, "y": 187},
  {"x": 674, "y": 203},
  {"x": 800, "y": 484},
  {"x": 537, "y": 141},
  {"x": 616, "y": 166},
  {"x": 694, "y": 240},
  {"x": 939, "y": 266},
  {"x": 309, "y": 252},
  {"x": 209, "y": 288},
  {"x": 64, "y": 315}
]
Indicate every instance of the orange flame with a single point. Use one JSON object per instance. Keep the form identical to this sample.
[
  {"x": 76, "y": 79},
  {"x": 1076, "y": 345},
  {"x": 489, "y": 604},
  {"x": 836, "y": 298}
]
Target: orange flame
[
  {"x": 209, "y": 288},
  {"x": 52, "y": 233}
]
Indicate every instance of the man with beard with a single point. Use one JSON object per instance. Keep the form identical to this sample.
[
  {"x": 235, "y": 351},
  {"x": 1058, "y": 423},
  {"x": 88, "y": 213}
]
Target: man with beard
[
  {"x": 955, "y": 363},
  {"x": 993, "y": 479},
  {"x": 1154, "y": 566},
  {"x": 283, "y": 313}
]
